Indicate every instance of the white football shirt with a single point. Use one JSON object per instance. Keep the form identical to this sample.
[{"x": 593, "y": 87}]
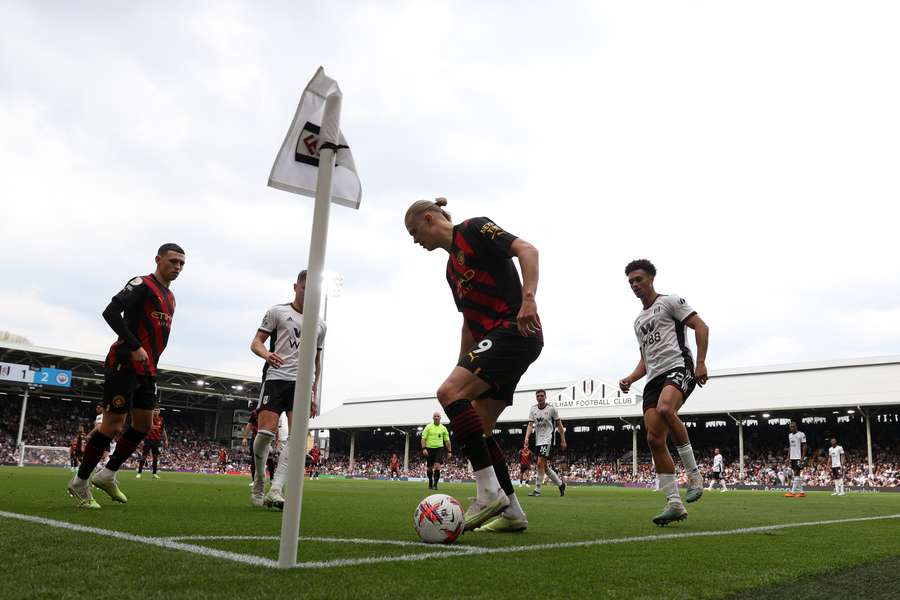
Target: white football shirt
[
  {"x": 544, "y": 424},
  {"x": 835, "y": 452},
  {"x": 718, "y": 463},
  {"x": 283, "y": 323},
  {"x": 660, "y": 335},
  {"x": 795, "y": 441}
]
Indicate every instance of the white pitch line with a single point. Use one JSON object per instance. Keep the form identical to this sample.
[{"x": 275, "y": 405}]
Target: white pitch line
[
  {"x": 172, "y": 544},
  {"x": 311, "y": 538},
  {"x": 248, "y": 559},
  {"x": 601, "y": 542}
]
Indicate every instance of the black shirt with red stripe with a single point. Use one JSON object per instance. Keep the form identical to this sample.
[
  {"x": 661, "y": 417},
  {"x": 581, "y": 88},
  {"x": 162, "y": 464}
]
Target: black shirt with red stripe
[
  {"x": 254, "y": 421},
  {"x": 156, "y": 429},
  {"x": 148, "y": 306},
  {"x": 524, "y": 458},
  {"x": 482, "y": 276}
]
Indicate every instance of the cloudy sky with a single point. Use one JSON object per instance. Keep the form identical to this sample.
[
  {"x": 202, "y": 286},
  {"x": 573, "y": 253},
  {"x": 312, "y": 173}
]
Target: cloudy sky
[{"x": 749, "y": 149}]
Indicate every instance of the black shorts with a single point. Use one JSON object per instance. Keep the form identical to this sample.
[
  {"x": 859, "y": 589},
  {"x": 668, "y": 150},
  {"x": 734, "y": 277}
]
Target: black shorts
[
  {"x": 836, "y": 473},
  {"x": 435, "y": 455},
  {"x": 796, "y": 466},
  {"x": 544, "y": 450},
  {"x": 124, "y": 390},
  {"x": 500, "y": 359},
  {"x": 277, "y": 396},
  {"x": 152, "y": 446},
  {"x": 682, "y": 378},
  {"x": 716, "y": 475},
  {"x": 524, "y": 468}
]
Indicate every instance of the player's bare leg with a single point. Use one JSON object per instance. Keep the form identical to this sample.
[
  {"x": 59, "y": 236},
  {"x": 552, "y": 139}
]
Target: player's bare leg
[
  {"x": 513, "y": 518},
  {"x": 455, "y": 396},
  {"x": 657, "y": 433},
  {"x": 670, "y": 401}
]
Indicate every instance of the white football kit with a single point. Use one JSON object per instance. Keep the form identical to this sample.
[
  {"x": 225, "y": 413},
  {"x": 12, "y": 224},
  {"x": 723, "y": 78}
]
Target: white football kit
[
  {"x": 660, "y": 335},
  {"x": 544, "y": 424},
  {"x": 796, "y": 441},
  {"x": 283, "y": 324}
]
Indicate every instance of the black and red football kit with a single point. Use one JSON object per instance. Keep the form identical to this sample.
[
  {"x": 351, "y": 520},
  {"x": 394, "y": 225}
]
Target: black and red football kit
[
  {"x": 148, "y": 308},
  {"x": 153, "y": 440},
  {"x": 488, "y": 292}
]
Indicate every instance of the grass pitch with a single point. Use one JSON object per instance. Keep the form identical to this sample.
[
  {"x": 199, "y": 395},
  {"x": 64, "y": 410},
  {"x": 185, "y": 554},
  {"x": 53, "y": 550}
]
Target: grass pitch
[{"x": 359, "y": 542}]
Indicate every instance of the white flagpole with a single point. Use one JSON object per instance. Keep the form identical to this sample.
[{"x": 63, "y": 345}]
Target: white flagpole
[{"x": 290, "y": 521}]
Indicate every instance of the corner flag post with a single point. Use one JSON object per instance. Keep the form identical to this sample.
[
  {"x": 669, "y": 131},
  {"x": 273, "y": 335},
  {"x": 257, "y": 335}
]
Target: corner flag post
[{"x": 290, "y": 521}]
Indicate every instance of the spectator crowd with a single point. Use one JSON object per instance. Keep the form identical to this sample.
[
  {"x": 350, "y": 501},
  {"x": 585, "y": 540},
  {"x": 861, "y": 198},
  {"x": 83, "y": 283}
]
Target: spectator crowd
[{"x": 57, "y": 424}]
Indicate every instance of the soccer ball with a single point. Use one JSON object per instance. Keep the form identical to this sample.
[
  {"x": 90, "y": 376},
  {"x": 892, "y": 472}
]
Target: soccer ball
[{"x": 439, "y": 519}]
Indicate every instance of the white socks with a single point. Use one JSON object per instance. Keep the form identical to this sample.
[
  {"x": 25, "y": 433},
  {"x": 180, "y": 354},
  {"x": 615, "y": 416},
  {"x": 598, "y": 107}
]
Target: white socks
[
  {"x": 669, "y": 486},
  {"x": 486, "y": 483},
  {"x": 551, "y": 474},
  {"x": 514, "y": 509},
  {"x": 261, "y": 446},
  {"x": 282, "y": 468},
  {"x": 687, "y": 458}
]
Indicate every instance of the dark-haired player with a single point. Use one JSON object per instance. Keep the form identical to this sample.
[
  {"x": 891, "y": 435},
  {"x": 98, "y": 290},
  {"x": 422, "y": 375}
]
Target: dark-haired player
[
  {"x": 250, "y": 430},
  {"x": 76, "y": 450},
  {"x": 435, "y": 440},
  {"x": 281, "y": 328},
  {"x": 544, "y": 420},
  {"x": 524, "y": 465},
  {"x": 315, "y": 455},
  {"x": 501, "y": 337},
  {"x": 836, "y": 454},
  {"x": 797, "y": 456},
  {"x": 156, "y": 436},
  {"x": 223, "y": 459},
  {"x": 395, "y": 466},
  {"x": 130, "y": 381},
  {"x": 667, "y": 362}
]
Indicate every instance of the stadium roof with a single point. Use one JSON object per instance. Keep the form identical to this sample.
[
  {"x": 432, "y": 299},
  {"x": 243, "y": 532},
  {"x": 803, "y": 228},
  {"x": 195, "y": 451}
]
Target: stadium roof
[
  {"x": 863, "y": 382},
  {"x": 178, "y": 386}
]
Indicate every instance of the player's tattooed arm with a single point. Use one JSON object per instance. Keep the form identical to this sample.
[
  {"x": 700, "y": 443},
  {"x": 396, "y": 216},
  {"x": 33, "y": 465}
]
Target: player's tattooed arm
[
  {"x": 528, "y": 431},
  {"x": 528, "y": 320},
  {"x": 258, "y": 347},
  {"x": 639, "y": 371},
  {"x": 701, "y": 335}
]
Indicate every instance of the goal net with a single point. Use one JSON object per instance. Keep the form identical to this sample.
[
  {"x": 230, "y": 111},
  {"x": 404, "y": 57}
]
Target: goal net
[{"x": 47, "y": 456}]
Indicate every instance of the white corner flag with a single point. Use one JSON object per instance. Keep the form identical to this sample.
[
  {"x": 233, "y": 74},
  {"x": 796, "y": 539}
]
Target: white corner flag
[
  {"x": 297, "y": 164},
  {"x": 306, "y": 165}
]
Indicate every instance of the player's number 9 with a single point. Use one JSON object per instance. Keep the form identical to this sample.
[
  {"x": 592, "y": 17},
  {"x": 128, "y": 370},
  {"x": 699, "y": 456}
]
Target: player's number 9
[{"x": 483, "y": 346}]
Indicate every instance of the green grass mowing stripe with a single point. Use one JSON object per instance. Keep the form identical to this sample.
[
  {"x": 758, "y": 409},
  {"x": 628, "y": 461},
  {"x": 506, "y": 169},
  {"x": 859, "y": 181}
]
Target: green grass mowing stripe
[
  {"x": 873, "y": 581},
  {"x": 150, "y": 541},
  {"x": 345, "y": 562},
  {"x": 43, "y": 562}
]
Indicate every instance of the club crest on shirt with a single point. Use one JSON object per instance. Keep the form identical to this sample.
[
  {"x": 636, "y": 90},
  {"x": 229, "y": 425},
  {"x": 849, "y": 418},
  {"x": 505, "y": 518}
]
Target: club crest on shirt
[
  {"x": 118, "y": 401},
  {"x": 461, "y": 258}
]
